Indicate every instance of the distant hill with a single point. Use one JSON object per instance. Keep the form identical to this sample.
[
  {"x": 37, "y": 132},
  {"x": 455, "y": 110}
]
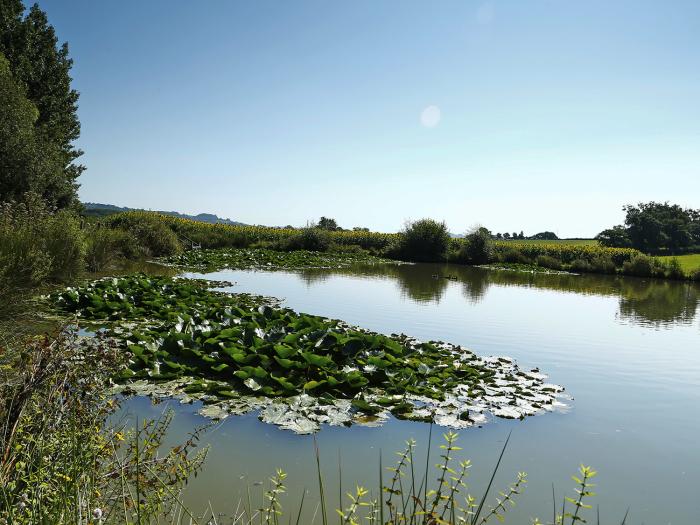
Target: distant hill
[{"x": 95, "y": 209}]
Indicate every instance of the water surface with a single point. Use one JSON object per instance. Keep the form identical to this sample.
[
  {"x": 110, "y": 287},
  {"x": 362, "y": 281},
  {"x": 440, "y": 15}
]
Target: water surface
[{"x": 626, "y": 349}]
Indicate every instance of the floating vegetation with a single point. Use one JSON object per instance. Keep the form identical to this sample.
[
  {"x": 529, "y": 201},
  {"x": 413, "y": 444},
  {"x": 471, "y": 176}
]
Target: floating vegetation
[
  {"x": 238, "y": 353},
  {"x": 264, "y": 259},
  {"x": 525, "y": 268}
]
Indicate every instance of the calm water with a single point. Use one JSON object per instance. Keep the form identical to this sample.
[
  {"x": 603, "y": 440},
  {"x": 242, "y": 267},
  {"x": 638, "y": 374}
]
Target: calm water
[{"x": 627, "y": 350}]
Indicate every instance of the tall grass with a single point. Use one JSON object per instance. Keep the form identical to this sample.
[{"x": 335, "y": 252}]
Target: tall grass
[{"x": 61, "y": 461}]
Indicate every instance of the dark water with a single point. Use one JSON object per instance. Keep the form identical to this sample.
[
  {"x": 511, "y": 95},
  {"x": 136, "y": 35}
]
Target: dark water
[{"x": 627, "y": 350}]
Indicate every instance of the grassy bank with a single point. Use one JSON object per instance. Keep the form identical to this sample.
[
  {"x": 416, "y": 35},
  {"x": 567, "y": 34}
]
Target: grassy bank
[{"x": 690, "y": 263}]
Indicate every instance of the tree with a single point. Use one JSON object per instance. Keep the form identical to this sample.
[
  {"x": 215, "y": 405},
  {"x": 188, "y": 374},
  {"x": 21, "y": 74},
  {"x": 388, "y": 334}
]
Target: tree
[
  {"x": 424, "y": 240},
  {"x": 42, "y": 68},
  {"x": 615, "y": 237},
  {"x": 506, "y": 235},
  {"x": 545, "y": 236},
  {"x": 514, "y": 236},
  {"x": 27, "y": 162},
  {"x": 655, "y": 227},
  {"x": 476, "y": 247},
  {"x": 499, "y": 236},
  {"x": 326, "y": 223},
  {"x": 521, "y": 235}
]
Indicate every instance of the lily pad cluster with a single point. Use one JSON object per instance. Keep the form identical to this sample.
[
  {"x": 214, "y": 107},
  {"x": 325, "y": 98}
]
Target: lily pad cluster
[
  {"x": 242, "y": 353},
  {"x": 264, "y": 259}
]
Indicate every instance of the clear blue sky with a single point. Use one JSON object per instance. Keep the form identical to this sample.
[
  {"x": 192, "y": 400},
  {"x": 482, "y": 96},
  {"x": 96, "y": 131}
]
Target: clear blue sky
[{"x": 532, "y": 115}]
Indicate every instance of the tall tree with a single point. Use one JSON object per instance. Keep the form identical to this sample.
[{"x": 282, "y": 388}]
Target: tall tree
[
  {"x": 42, "y": 68},
  {"x": 27, "y": 162}
]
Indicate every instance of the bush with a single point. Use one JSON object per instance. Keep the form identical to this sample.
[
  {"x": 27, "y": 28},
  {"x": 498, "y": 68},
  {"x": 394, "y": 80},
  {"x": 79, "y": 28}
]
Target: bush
[
  {"x": 37, "y": 245},
  {"x": 603, "y": 264},
  {"x": 154, "y": 237},
  {"x": 312, "y": 239},
  {"x": 674, "y": 270},
  {"x": 695, "y": 276},
  {"x": 104, "y": 246},
  {"x": 513, "y": 255},
  {"x": 643, "y": 266},
  {"x": 579, "y": 265},
  {"x": 424, "y": 240},
  {"x": 545, "y": 261},
  {"x": 476, "y": 248}
]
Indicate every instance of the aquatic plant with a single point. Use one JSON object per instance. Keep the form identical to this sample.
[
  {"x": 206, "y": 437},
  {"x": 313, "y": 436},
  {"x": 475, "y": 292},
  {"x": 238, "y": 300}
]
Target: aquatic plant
[
  {"x": 299, "y": 370},
  {"x": 265, "y": 259}
]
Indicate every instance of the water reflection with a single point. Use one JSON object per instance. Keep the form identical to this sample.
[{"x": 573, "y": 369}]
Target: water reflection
[{"x": 654, "y": 302}]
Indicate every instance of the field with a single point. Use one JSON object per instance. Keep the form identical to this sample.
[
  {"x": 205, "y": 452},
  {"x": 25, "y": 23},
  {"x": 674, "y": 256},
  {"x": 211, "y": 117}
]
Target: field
[{"x": 689, "y": 263}]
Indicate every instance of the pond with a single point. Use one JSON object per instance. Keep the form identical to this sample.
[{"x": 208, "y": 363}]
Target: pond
[{"x": 627, "y": 350}]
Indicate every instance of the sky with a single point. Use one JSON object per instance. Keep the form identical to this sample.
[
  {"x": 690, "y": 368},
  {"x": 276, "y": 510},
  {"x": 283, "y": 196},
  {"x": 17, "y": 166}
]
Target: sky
[{"x": 517, "y": 114}]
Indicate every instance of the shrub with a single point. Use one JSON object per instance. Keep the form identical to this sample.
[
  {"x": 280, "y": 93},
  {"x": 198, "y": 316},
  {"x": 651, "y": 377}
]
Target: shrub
[
  {"x": 37, "y": 245},
  {"x": 476, "y": 248},
  {"x": 695, "y": 276},
  {"x": 104, "y": 246},
  {"x": 513, "y": 255},
  {"x": 64, "y": 242},
  {"x": 154, "y": 237},
  {"x": 579, "y": 265},
  {"x": 312, "y": 239},
  {"x": 548, "y": 262},
  {"x": 602, "y": 264},
  {"x": 674, "y": 270},
  {"x": 643, "y": 266},
  {"x": 423, "y": 240}
]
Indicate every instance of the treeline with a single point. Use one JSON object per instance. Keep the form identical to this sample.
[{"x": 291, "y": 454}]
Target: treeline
[{"x": 656, "y": 228}]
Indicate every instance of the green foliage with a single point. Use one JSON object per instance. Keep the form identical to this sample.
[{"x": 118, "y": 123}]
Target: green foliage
[
  {"x": 104, "y": 247},
  {"x": 312, "y": 239},
  {"x": 643, "y": 266},
  {"x": 326, "y": 223},
  {"x": 238, "y": 344},
  {"x": 546, "y": 261},
  {"x": 423, "y": 240},
  {"x": 476, "y": 247},
  {"x": 545, "y": 236},
  {"x": 615, "y": 237},
  {"x": 62, "y": 458},
  {"x": 153, "y": 236},
  {"x": 28, "y": 163},
  {"x": 511, "y": 255},
  {"x": 265, "y": 259},
  {"x": 655, "y": 227},
  {"x": 42, "y": 69},
  {"x": 37, "y": 245}
]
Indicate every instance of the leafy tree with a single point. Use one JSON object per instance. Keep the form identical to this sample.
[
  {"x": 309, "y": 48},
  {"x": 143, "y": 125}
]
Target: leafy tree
[
  {"x": 506, "y": 235},
  {"x": 499, "y": 236},
  {"x": 521, "y": 235},
  {"x": 477, "y": 247},
  {"x": 615, "y": 237},
  {"x": 42, "y": 68},
  {"x": 515, "y": 235},
  {"x": 655, "y": 227},
  {"x": 27, "y": 162},
  {"x": 545, "y": 236},
  {"x": 326, "y": 223},
  {"x": 422, "y": 240}
]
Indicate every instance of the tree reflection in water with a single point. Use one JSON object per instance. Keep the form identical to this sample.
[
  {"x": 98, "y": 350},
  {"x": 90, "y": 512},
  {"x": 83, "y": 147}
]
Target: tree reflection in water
[{"x": 655, "y": 302}]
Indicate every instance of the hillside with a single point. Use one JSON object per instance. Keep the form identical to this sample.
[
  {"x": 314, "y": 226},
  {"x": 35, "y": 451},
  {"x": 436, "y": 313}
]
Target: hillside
[{"x": 94, "y": 209}]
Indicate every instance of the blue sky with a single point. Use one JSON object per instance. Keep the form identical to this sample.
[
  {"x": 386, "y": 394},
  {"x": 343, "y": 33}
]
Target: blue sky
[{"x": 518, "y": 115}]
